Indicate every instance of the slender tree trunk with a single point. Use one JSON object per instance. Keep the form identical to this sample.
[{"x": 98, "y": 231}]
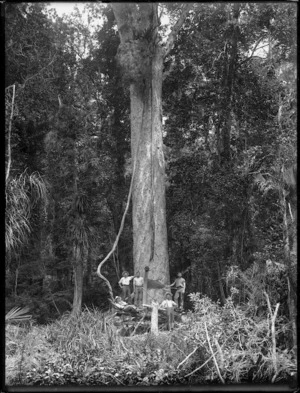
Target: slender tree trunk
[
  {"x": 78, "y": 261},
  {"x": 145, "y": 286},
  {"x": 229, "y": 74},
  {"x": 16, "y": 282},
  {"x": 222, "y": 294},
  {"x": 78, "y": 281},
  {"x": 292, "y": 208},
  {"x": 292, "y": 292},
  {"x": 294, "y": 231},
  {"x": 286, "y": 242},
  {"x": 9, "y": 134}
]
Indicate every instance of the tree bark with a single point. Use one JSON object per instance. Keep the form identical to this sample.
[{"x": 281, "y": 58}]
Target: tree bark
[
  {"x": 145, "y": 286},
  {"x": 141, "y": 56},
  {"x": 148, "y": 196},
  {"x": 78, "y": 282},
  {"x": 222, "y": 294},
  {"x": 292, "y": 291}
]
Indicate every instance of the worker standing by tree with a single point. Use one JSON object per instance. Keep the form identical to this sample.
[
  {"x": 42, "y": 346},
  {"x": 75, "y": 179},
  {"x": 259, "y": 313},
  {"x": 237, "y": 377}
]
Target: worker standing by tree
[
  {"x": 138, "y": 283},
  {"x": 180, "y": 290},
  {"x": 168, "y": 304},
  {"x": 125, "y": 286}
]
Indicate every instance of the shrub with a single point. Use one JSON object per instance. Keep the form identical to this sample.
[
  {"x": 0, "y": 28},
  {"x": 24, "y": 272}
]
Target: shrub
[
  {"x": 88, "y": 350},
  {"x": 242, "y": 346}
]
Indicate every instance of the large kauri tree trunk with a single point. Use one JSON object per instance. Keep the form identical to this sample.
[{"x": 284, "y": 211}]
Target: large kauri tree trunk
[
  {"x": 150, "y": 246},
  {"x": 141, "y": 58}
]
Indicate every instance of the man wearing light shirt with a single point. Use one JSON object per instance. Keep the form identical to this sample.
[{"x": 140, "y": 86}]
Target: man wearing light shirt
[
  {"x": 180, "y": 289},
  {"x": 138, "y": 283},
  {"x": 125, "y": 285},
  {"x": 168, "y": 304}
]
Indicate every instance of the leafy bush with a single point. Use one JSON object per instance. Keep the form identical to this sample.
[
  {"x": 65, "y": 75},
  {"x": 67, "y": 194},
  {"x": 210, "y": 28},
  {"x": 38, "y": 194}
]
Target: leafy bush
[
  {"x": 241, "y": 345},
  {"x": 270, "y": 277},
  {"x": 88, "y": 350}
]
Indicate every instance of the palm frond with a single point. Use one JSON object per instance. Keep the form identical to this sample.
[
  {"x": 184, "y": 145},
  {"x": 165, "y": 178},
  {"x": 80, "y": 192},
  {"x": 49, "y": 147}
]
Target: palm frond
[
  {"x": 38, "y": 187},
  {"x": 18, "y": 314},
  {"x": 22, "y": 193}
]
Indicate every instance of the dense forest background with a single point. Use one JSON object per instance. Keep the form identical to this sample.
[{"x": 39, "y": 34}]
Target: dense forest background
[{"x": 229, "y": 128}]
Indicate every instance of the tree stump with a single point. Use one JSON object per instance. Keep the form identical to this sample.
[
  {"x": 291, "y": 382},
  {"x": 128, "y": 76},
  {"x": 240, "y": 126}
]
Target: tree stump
[{"x": 154, "y": 318}]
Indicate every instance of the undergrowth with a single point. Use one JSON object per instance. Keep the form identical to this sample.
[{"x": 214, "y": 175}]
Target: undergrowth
[{"x": 212, "y": 344}]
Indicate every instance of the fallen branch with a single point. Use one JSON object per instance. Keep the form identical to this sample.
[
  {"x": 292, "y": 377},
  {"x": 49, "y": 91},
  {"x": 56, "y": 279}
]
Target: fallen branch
[
  {"x": 202, "y": 365},
  {"x": 213, "y": 355},
  {"x": 199, "y": 368},
  {"x": 175, "y": 345},
  {"x": 220, "y": 352},
  {"x": 184, "y": 360}
]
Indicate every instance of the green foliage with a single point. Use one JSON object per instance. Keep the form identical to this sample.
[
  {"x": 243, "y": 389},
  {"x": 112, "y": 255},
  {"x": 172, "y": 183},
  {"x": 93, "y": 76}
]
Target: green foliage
[
  {"x": 216, "y": 214},
  {"x": 44, "y": 306},
  {"x": 22, "y": 193},
  {"x": 242, "y": 345},
  {"x": 77, "y": 351},
  {"x": 249, "y": 286},
  {"x": 88, "y": 350},
  {"x": 17, "y": 314}
]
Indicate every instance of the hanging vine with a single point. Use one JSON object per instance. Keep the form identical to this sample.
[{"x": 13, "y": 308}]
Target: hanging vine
[
  {"x": 122, "y": 221},
  {"x": 9, "y": 132}
]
